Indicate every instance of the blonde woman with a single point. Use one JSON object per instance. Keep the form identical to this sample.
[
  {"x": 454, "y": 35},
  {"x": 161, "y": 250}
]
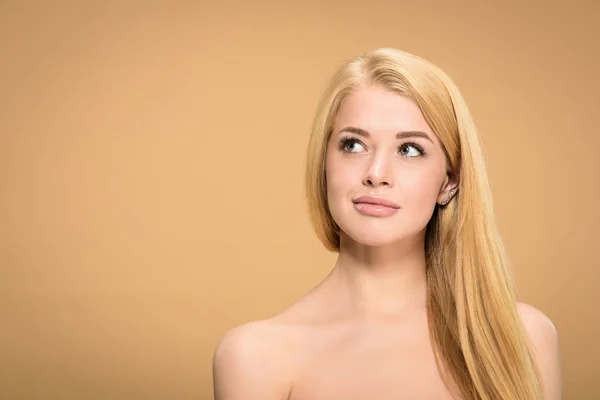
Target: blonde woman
[{"x": 420, "y": 303}]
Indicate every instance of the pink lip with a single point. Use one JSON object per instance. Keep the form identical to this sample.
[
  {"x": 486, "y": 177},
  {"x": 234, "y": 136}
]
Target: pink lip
[
  {"x": 375, "y": 201},
  {"x": 375, "y": 206}
]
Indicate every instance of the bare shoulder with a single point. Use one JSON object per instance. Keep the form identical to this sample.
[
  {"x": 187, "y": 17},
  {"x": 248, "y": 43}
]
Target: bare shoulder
[
  {"x": 259, "y": 359},
  {"x": 250, "y": 362},
  {"x": 544, "y": 338},
  {"x": 540, "y": 328}
]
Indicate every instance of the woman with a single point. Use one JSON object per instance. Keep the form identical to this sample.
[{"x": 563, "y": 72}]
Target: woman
[{"x": 420, "y": 304}]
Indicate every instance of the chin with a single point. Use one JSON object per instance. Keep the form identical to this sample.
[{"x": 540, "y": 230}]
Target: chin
[
  {"x": 377, "y": 231},
  {"x": 372, "y": 237}
]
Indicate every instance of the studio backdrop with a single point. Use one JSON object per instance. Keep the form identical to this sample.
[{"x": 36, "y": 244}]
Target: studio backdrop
[{"x": 152, "y": 165}]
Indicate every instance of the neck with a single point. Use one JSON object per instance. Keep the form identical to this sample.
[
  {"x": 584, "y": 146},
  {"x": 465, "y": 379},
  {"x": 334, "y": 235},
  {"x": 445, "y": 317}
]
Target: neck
[{"x": 386, "y": 280}]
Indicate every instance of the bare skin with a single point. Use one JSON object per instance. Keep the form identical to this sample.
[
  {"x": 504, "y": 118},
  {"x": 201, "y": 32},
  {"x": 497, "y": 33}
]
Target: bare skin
[
  {"x": 362, "y": 333},
  {"x": 302, "y": 354},
  {"x": 330, "y": 353}
]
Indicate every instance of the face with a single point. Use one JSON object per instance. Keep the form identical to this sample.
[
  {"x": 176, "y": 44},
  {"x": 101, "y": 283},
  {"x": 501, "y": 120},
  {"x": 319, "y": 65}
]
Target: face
[{"x": 382, "y": 150}]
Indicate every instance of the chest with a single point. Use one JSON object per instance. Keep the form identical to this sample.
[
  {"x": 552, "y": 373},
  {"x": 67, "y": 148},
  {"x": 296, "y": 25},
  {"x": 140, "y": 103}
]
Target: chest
[{"x": 366, "y": 363}]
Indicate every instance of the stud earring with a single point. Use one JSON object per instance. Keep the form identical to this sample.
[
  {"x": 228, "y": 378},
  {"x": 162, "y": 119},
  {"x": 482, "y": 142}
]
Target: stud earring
[{"x": 447, "y": 199}]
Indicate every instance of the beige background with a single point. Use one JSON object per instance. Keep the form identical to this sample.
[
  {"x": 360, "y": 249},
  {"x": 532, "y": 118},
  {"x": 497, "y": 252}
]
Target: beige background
[{"x": 151, "y": 165}]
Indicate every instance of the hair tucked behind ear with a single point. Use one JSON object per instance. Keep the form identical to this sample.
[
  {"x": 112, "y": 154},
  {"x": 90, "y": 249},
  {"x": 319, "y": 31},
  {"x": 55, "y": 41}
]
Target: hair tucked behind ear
[{"x": 475, "y": 328}]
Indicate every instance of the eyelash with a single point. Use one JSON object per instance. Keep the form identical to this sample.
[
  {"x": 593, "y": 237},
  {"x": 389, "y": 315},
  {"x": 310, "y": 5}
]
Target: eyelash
[{"x": 344, "y": 141}]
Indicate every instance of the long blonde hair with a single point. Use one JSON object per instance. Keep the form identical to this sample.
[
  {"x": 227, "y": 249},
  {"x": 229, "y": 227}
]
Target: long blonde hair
[{"x": 475, "y": 328}]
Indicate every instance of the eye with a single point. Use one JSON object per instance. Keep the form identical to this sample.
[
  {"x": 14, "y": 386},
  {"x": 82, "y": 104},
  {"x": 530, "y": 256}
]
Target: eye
[
  {"x": 350, "y": 145},
  {"x": 411, "y": 150}
]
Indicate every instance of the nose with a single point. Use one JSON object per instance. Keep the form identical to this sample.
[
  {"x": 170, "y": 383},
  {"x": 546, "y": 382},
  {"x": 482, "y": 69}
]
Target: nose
[{"x": 378, "y": 172}]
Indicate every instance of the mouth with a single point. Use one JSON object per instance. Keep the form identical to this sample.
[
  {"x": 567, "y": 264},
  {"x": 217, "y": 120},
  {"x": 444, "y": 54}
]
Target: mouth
[
  {"x": 375, "y": 201},
  {"x": 374, "y": 206},
  {"x": 375, "y": 210}
]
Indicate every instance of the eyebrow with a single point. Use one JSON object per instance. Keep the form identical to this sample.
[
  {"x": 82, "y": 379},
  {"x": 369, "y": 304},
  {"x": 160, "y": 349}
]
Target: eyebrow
[{"x": 399, "y": 135}]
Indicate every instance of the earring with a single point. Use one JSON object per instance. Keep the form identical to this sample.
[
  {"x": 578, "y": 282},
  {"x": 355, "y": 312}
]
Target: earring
[{"x": 447, "y": 199}]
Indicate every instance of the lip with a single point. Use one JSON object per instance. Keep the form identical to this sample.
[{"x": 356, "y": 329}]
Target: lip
[
  {"x": 375, "y": 206},
  {"x": 375, "y": 200}
]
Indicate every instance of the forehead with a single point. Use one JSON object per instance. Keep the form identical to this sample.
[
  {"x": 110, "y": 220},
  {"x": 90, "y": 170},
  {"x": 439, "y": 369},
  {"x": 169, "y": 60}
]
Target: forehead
[{"x": 378, "y": 110}]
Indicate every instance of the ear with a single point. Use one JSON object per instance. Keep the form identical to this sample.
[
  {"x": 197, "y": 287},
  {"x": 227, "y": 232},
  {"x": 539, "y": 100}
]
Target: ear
[{"x": 448, "y": 189}]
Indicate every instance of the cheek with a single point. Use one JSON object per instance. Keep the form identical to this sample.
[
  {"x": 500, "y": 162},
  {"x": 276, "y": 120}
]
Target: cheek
[
  {"x": 341, "y": 182},
  {"x": 337, "y": 181},
  {"x": 422, "y": 185},
  {"x": 421, "y": 189},
  {"x": 334, "y": 173}
]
